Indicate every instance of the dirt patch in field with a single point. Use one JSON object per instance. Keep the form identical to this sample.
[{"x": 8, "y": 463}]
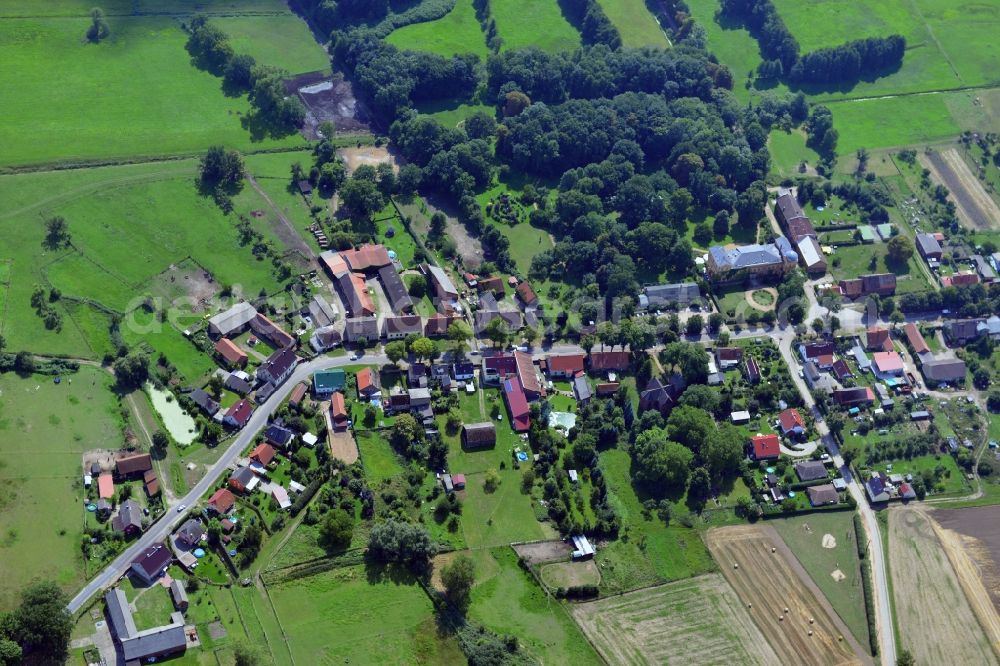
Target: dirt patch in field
[
  {"x": 829, "y": 541},
  {"x": 975, "y": 207},
  {"x": 342, "y": 446},
  {"x": 330, "y": 99},
  {"x": 570, "y": 574},
  {"x": 936, "y": 622},
  {"x": 185, "y": 284},
  {"x": 695, "y": 621},
  {"x": 439, "y": 562},
  {"x": 781, "y": 598},
  {"x": 837, "y": 575},
  {"x": 543, "y": 551},
  {"x": 370, "y": 155}
]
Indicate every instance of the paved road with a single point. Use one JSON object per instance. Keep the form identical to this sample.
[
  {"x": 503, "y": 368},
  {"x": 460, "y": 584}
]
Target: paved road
[
  {"x": 159, "y": 530},
  {"x": 880, "y": 579}
]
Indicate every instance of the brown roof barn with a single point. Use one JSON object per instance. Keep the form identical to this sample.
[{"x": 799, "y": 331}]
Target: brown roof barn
[{"x": 479, "y": 435}]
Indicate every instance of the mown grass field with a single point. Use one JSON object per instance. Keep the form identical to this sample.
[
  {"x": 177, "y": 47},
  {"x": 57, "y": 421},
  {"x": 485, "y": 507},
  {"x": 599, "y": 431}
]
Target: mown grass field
[
  {"x": 456, "y": 32},
  {"x": 788, "y": 150},
  {"x": 507, "y": 600},
  {"x": 128, "y": 224},
  {"x": 804, "y": 535},
  {"x": 44, "y": 429},
  {"x": 635, "y": 23},
  {"x": 282, "y": 41},
  {"x": 949, "y": 47},
  {"x": 654, "y": 552},
  {"x": 364, "y": 616},
  {"x": 540, "y": 23},
  {"x": 136, "y": 94}
]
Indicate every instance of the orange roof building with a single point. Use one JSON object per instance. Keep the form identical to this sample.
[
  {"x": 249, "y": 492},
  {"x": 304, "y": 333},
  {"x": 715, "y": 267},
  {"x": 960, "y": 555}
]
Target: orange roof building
[
  {"x": 527, "y": 294},
  {"x": 105, "y": 486},
  {"x": 264, "y": 453},
  {"x": 366, "y": 257},
  {"x": 333, "y": 263},
  {"x": 338, "y": 409},
  {"x": 916, "y": 340},
  {"x": 231, "y": 353}
]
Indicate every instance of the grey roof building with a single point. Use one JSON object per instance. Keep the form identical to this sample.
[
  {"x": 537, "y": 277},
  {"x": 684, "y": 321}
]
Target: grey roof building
[
  {"x": 581, "y": 389},
  {"x": 928, "y": 246},
  {"x": 204, "y": 401},
  {"x": 233, "y": 320},
  {"x": 361, "y": 327},
  {"x": 661, "y": 295},
  {"x": 944, "y": 370},
  {"x": 776, "y": 257},
  {"x": 983, "y": 267},
  {"x": 810, "y": 470},
  {"x": 137, "y": 645},
  {"x": 394, "y": 288},
  {"x": 322, "y": 312}
]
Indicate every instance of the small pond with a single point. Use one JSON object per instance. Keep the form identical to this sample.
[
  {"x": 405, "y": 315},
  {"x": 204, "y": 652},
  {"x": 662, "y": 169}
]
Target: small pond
[{"x": 178, "y": 422}]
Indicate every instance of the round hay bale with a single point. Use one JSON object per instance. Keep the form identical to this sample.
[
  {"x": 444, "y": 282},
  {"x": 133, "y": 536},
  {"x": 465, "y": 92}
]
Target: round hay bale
[
  {"x": 811, "y": 621},
  {"x": 781, "y": 618},
  {"x": 773, "y": 549},
  {"x": 736, "y": 566},
  {"x": 786, "y": 609},
  {"x": 810, "y": 632}
]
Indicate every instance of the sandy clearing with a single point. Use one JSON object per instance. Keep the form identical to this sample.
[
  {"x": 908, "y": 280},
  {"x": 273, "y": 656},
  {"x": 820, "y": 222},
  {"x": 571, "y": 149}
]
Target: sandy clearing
[
  {"x": 695, "y": 621},
  {"x": 837, "y": 575},
  {"x": 936, "y": 623},
  {"x": 775, "y": 581},
  {"x": 343, "y": 447},
  {"x": 543, "y": 551},
  {"x": 829, "y": 541},
  {"x": 370, "y": 155}
]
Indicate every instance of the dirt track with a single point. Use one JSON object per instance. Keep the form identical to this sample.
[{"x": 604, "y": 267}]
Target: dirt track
[
  {"x": 975, "y": 207},
  {"x": 343, "y": 447},
  {"x": 771, "y": 582},
  {"x": 695, "y": 621},
  {"x": 936, "y": 623}
]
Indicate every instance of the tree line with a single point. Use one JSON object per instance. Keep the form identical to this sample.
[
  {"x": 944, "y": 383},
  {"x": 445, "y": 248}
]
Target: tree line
[
  {"x": 272, "y": 111},
  {"x": 845, "y": 63}
]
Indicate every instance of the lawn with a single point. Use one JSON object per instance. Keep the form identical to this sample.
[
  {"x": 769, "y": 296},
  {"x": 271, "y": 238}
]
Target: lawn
[
  {"x": 788, "y": 150},
  {"x": 855, "y": 260},
  {"x": 538, "y": 23},
  {"x": 451, "y": 112},
  {"x": 507, "y": 600},
  {"x": 377, "y": 456},
  {"x": 654, "y": 552},
  {"x": 134, "y": 95},
  {"x": 499, "y": 518},
  {"x": 874, "y": 123},
  {"x": 128, "y": 224},
  {"x": 454, "y": 33},
  {"x": 44, "y": 429},
  {"x": 636, "y": 24},
  {"x": 804, "y": 535},
  {"x": 360, "y": 615},
  {"x": 280, "y": 41}
]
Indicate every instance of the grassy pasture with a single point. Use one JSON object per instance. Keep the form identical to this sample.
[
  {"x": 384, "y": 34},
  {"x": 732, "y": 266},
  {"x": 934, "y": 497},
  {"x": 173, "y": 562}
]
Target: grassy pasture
[
  {"x": 44, "y": 428},
  {"x": 456, "y": 32},
  {"x": 669, "y": 553},
  {"x": 508, "y": 601},
  {"x": 635, "y": 23},
  {"x": 127, "y": 224},
  {"x": 788, "y": 149},
  {"x": 363, "y": 616},
  {"x": 540, "y": 23},
  {"x": 134, "y": 95},
  {"x": 282, "y": 41},
  {"x": 804, "y": 535}
]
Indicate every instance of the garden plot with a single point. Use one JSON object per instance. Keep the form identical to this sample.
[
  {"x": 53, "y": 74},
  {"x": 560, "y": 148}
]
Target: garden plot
[{"x": 975, "y": 207}]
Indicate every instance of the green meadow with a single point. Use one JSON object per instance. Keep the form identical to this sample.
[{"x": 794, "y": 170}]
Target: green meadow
[
  {"x": 635, "y": 23},
  {"x": 540, "y": 23},
  {"x": 134, "y": 95},
  {"x": 44, "y": 429},
  {"x": 128, "y": 224},
  {"x": 281, "y": 41},
  {"x": 456, "y": 32},
  {"x": 361, "y": 616}
]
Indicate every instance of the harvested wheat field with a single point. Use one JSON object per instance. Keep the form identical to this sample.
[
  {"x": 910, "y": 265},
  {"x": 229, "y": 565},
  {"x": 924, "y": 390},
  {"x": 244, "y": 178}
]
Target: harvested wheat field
[
  {"x": 768, "y": 580},
  {"x": 978, "y": 531},
  {"x": 695, "y": 621},
  {"x": 936, "y": 623}
]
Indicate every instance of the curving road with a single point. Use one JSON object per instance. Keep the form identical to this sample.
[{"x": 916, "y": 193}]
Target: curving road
[{"x": 159, "y": 530}]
